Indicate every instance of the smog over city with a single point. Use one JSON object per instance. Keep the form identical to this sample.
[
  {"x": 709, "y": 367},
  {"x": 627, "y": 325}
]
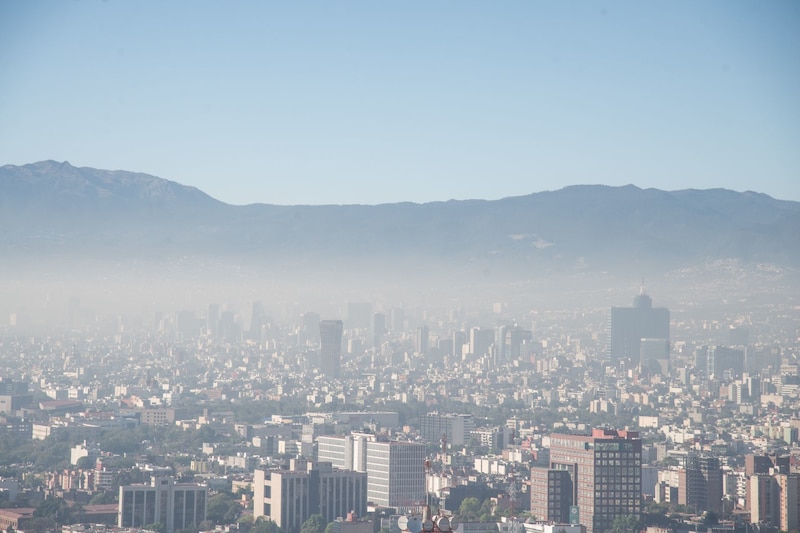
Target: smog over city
[{"x": 360, "y": 267}]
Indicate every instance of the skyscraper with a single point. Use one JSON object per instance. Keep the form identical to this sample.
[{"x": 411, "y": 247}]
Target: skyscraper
[
  {"x": 421, "y": 341},
  {"x": 627, "y": 326},
  {"x": 330, "y": 353},
  {"x": 551, "y": 494},
  {"x": 700, "y": 483},
  {"x": 396, "y": 475},
  {"x": 606, "y": 473}
]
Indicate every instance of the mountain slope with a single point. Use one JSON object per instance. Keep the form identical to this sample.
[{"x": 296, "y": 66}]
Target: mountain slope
[{"x": 51, "y": 208}]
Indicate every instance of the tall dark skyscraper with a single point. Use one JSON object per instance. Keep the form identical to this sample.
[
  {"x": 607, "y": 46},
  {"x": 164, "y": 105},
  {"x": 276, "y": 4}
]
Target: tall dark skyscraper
[
  {"x": 330, "y": 353},
  {"x": 627, "y": 326},
  {"x": 378, "y": 329}
]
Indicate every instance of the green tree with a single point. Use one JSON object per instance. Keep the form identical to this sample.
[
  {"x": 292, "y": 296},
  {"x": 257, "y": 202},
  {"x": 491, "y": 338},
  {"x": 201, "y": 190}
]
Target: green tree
[
  {"x": 314, "y": 524},
  {"x": 626, "y": 523},
  {"x": 262, "y": 525},
  {"x": 84, "y": 463},
  {"x": 223, "y": 509},
  {"x": 470, "y": 509}
]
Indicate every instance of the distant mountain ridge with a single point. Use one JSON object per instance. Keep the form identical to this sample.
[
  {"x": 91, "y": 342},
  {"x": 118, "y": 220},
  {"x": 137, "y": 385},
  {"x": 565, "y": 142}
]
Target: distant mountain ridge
[{"x": 54, "y": 208}]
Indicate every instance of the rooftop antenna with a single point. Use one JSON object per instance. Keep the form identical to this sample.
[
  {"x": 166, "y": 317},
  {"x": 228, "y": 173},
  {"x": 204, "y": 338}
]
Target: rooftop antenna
[{"x": 641, "y": 287}]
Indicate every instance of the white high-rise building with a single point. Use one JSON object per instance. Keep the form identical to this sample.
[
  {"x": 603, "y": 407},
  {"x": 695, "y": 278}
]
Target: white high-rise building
[
  {"x": 396, "y": 475},
  {"x": 348, "y": 452},
  {"x": 457, "y": 428}
]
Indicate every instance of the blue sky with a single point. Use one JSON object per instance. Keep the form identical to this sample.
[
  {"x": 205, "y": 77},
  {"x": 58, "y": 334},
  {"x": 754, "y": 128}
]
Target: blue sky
[{"x": 372, "y": 102}]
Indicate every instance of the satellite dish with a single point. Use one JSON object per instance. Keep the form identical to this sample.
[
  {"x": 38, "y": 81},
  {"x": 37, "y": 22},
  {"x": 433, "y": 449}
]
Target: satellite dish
[
  {"x": 414, "y": 525},
  {"x": 454, "y": 523},
  {"x": 428, "y": 525},
  {"x": 402, "y": 523},
  {"x": 443, "y": 523}
]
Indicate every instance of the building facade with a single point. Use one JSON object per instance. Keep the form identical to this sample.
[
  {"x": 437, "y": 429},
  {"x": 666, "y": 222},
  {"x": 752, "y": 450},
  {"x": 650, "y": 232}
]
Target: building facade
[
  {"x": 457, "y": 428},
  {"x": 289, "y": 498},
  {"x": 396, "y": 475},
  {"x": 627, "y": 326},
  {"x": 606, "y": 473},
  {"x": 330, "y": 352},
  {"x": 173, "y": 505},
  {"x": 551, "y": 494}
]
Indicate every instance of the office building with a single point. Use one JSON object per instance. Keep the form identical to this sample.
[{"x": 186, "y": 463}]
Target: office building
[
  {"x": 480, "y": 339},
  {"x": 788, "y": 501},
  {"x": 654, "y": 357},
  {"x": 174, "y": 505},
  {"x": 551, "y": 494},
  {"x": 396, "y": 475},
  {"x": 606, "y": 473},
  {"x": 721, "y": 359},
  {"x": 330, "y": 353},
  {"x": 290, "y": 497},
  {"x": 627, "y": 326},
  {"x": 700, "y": 483},
  {"x": 347, "y": 452},
  {"x": 378, "y": 329},
  {"x": 421, "y": 340},
  {"x": 455, "y": 428},
  {"x": 762, "y": 499}
]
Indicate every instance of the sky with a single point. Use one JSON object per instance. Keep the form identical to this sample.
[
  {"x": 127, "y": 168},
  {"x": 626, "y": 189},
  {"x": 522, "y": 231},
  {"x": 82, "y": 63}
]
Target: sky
[{"x": 374, "y": 102}]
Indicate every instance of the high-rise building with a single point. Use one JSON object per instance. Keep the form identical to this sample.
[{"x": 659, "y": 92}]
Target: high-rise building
[
  {"x": 396, "y": 475},
  {"x": 722, "y": 358},
  {"x": 788, "y": 501},
  {"x": 378, "y": 329},
  {"x": 627, "y": 326},
  {"x": 551, "y": 494},
  {"x": 212, "y": 320},
  {"x": 514, "y": 340},
  {"x": 173, "y": 505},
  {"x": 421, "y": 341},
  {"x": 456, "y": 428},
  {"x": 290, "y": 497},
  {"x": 700, "y": 483},
  {"x": 762, "y": 500},
  {"x": 606, "y": 473},
  {"x": 480, "y": 339},
  {"x": 258, "y": 321},
  {"x": 654, "y": 357},
  {"x": 347, "y": 452},
  {"x": 330, "y": 353}
]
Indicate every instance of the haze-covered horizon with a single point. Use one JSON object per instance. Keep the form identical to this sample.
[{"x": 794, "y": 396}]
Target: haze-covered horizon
[
  {"x": 129, "y": 244},
  {"x": 634, "y": 185}
]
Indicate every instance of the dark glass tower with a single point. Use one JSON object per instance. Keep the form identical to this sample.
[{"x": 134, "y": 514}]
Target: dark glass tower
[
  {"x": 627, "y": 326},
  {"x": 330, "y": 353}
]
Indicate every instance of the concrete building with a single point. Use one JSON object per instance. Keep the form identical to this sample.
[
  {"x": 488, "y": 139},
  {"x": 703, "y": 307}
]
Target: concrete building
[
  {"x": 396, "y": 475},
  {"x": 457, "y": 428},
  {"x": 346, "y": 452},
  {"x": 551, "y": 494},
  {"x": 174, "y": 505},
  {"x": 289, "y": 497}
]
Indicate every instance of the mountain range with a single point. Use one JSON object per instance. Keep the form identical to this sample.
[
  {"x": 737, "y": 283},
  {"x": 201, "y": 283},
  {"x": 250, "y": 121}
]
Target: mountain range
[{"x": 51, "y": 210}]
